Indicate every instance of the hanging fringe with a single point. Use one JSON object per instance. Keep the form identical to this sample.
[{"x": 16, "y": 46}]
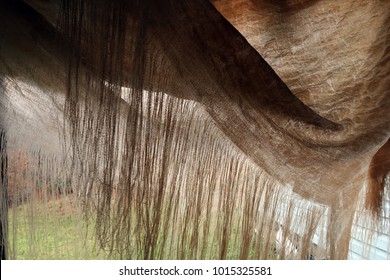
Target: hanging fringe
[{"x": 155, "y": 177}]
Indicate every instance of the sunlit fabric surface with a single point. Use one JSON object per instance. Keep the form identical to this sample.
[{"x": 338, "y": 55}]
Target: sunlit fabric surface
[{"x": 198, "y": 129}]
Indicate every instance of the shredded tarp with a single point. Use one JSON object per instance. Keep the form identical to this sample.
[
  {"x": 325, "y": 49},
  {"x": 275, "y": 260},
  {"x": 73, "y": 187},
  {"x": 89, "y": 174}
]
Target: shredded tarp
[{"x": 177, "y": 140}]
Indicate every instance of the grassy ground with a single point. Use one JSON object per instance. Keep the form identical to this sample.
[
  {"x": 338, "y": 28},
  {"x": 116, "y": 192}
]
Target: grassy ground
[
  {"x": 50, "y": 230},
  {"x": 56, "y": 229}
]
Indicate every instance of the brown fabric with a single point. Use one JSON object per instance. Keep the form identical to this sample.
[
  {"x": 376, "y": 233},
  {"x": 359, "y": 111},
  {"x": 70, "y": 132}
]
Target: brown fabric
[
  {"x": 379, "y": 168},
  {"x": 227, "y": 76},
  {"x": 313, "y": 124},
  {"x": 335, "y": 58}
]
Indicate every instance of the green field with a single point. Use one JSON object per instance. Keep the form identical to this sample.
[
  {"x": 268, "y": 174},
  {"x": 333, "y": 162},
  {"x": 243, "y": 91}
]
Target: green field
[
  {"x": 52, "y": 230},
  {"x": 57, "y": 230}
]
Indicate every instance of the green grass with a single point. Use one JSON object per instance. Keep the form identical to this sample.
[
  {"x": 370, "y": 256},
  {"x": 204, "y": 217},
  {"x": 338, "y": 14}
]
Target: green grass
[
  {"x": 56, "y": 229},
  {"x": 52, "y": 230}
]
